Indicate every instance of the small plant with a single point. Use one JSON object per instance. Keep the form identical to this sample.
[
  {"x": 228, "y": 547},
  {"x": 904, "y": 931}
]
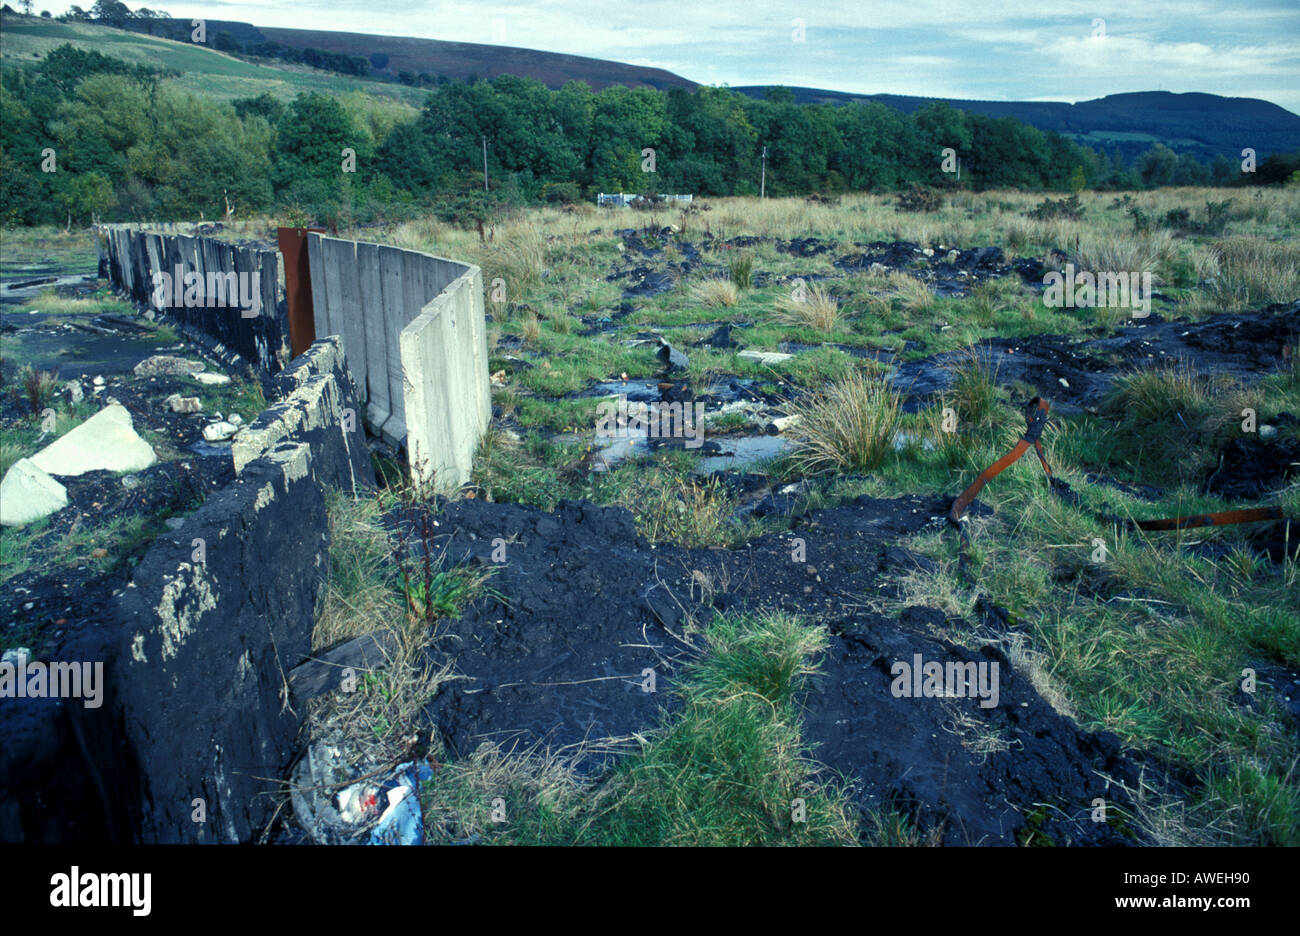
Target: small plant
[
  {"x": 530, "y": 327},
  {"x": 39, "y": 387},
  {"x": 1068, "y": 208},
  {"x": 919, "y": 200},
  {"x": 690, "y": 514},
  {"x": 740, "y": 269},
  {"x": 974, "y": 390}
]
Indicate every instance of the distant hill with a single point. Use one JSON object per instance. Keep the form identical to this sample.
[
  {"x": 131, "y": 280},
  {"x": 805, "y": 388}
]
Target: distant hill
[
  {"x": 460, "y": 60},
  {"x": 1203, "y": 125},
  {"x": 389, "y": 57}
]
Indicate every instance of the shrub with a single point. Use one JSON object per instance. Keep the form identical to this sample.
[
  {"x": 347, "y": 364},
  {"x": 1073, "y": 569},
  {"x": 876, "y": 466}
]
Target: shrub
[
  {"x": 1047, "y": 209},
  {"x": 919, "y": 199}
]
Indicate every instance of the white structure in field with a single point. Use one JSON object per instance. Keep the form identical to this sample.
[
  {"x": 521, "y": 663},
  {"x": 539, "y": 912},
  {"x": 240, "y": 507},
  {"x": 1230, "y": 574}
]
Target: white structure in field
[{"x": 623, "y": 199}]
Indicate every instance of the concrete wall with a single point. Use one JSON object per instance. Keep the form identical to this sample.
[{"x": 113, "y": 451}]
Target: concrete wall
[
  {"x": 413, "y": 326},
  {"x": 196, "y": 650},
  {"x": 130, "y": 255},
  {"x": 320, "y": 408}
]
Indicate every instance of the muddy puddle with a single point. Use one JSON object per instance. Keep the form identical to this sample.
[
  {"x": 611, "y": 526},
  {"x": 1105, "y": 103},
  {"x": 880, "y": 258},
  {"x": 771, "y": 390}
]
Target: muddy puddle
[
  {"x": 74, "y": 352},
  {"x": 18, "y": 288}
]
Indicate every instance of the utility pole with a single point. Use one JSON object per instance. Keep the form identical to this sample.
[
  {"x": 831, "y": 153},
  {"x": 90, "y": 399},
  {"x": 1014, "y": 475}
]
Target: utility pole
[
  {"x": 485, "y": 184},
  {"x": 762, "y": 185}
]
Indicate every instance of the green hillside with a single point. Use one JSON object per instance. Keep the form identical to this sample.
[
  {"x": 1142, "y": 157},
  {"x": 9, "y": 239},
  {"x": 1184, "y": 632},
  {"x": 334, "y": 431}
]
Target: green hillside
[{"x": 204, "y": 71}]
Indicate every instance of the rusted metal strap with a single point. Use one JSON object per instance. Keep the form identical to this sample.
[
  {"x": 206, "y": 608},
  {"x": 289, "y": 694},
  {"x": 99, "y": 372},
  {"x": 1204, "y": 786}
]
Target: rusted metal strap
[
  {"x": 1036, "y": 417},
  {"x": 1222, "y": 518}
]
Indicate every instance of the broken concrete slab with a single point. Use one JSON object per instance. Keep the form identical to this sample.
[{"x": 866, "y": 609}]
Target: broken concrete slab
[
  {"x": 167, "y": 365},
  {"x": 180, "y": 404},
  {"x": 765, "y": 357},
  {"x": 106, "y": 441},
  {"x": 28, "y": 493}
]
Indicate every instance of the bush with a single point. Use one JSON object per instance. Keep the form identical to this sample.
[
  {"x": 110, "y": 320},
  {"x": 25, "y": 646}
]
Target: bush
[
  {"x": 919, "y": 199},
  {"x": 1047, "y": 209}
]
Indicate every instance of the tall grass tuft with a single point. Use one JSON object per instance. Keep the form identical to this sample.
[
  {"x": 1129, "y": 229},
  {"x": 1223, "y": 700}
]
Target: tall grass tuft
[
  {"x": 716, "y": 293},
  {"x": 813, "y": 307},
  {"x": 740, "y": 269},
  {"x": 848, "y": 425}
]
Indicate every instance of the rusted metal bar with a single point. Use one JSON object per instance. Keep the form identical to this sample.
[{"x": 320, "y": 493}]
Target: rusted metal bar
[
  {"x": 297, "y": 287},
  {"x": 1036, "y": 417}
]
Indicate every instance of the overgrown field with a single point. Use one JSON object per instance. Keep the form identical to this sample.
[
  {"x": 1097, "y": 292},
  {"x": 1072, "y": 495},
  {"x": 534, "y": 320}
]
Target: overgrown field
[{"x": 903, "y": 374}]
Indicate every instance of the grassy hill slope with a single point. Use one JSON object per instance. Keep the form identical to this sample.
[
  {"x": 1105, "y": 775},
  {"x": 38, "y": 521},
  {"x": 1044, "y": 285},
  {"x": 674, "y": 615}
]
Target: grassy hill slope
[{"x": 204, "y": 71}]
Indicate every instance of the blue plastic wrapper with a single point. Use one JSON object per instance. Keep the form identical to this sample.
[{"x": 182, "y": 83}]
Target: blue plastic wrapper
[{"x": 402, "y": 823}]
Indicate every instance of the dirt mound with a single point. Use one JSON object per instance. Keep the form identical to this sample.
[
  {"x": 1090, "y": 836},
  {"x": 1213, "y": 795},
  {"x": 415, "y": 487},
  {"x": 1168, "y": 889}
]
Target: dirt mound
[
  {"x": 556, "y": 653},
  {"x": 1250, "y": 467}
]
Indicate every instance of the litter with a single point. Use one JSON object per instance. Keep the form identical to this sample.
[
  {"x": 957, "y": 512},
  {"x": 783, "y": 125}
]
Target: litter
[{"x": 402, "y": 823}]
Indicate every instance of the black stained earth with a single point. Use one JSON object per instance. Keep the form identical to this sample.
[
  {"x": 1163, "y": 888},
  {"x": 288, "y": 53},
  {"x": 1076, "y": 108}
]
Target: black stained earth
[
  {"x": 1075, "y": 375},
  {"x": 557, "y": 654}
]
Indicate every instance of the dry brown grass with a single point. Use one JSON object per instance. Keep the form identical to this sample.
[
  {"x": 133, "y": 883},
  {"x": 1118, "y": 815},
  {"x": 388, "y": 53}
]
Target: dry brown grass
[
  {"x": 715, "y": 293},
  {"x": 810, "y": 306}
]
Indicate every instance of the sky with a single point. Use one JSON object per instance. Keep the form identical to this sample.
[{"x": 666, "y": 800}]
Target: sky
[{"x": 1067, "y": 50}]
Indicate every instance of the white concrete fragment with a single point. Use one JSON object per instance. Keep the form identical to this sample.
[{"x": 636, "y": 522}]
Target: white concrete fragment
[
  {"x": 104, "y": 442},
  {"x": 28, "y": 493},
  {"x": 765, "y": 357},
  {"x": 219, "y": 431}
]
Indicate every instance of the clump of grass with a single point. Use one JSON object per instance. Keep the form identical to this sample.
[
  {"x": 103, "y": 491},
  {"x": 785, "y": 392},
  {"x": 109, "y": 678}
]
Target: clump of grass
[
  {"x": 740, "y": 269},
  {"x": 849, "y": 424},
  {"x": 726, "y": 769},
  {"x": 716, "y": 293},
  {"x": 1157, "y": 394},
  {"x": 530, "y": 327},
  {"x": 519, "y": 262},
  {"x": 974, "y": 390},
  {"x": 10, "y": 452},
  {"x": 1113, "y": 253},
  {"x": 984, "y": 300},
  {"x": 1253, "y": 271},
  {"x": 915, "y": 296},
  {"x": 39, "y": 387},
  {"x": 813, "y": 307},
  {"x": 363, "y": 588},
  {"x": 688, "y": 513}
]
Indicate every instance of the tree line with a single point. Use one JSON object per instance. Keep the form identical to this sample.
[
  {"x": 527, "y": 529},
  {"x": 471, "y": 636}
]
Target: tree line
[{"x": 86, "y": 136}]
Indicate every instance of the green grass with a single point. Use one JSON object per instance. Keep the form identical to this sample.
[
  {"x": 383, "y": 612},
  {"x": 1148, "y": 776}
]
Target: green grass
[
  {"x": 728, "y": 768},
  {"x": 204, "y": 71}
]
